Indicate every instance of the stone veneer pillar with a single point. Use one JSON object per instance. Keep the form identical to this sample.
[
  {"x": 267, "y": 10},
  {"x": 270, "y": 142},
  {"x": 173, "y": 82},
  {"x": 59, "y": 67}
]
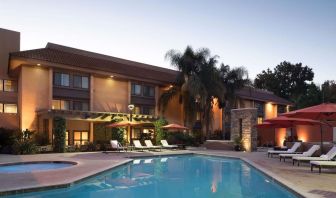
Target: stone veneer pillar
[{"x": 248, "y": 117}]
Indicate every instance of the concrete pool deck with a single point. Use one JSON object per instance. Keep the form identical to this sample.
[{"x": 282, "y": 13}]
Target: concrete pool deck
[{"x": 89, "y": 164}]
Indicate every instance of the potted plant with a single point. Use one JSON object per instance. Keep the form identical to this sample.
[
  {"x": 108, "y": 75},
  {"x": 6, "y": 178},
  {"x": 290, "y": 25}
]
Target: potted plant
[{"x": 238, "y": 145}]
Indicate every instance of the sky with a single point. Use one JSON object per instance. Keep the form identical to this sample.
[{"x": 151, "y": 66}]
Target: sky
[{"x": 256, "y": 34}]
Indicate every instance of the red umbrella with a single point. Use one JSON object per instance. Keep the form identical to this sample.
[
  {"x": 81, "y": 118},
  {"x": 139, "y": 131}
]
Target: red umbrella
[
  {"x": 123, "y": 124},
  {"x": 273, "y": 126},
  {"x": 175, "y": 126},
  {"x": 290, "y": 122},
  {"x": 323, "y": 112}
]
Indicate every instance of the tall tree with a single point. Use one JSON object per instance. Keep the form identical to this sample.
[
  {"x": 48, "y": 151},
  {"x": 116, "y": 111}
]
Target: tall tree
[
  {"x": 197, "y": 85},
  {"x": 312, "y": 97},
  {"x": 288, "y": 80},
  {"x": 329, "y": 91}
]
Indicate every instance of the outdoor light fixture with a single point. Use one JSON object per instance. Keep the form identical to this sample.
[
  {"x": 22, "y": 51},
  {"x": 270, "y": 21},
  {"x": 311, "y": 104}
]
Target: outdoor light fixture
[
  {"x": 112, "y": 76},
  {"x": 38, "y": 64},
  {"x": 131, "y": 107}
]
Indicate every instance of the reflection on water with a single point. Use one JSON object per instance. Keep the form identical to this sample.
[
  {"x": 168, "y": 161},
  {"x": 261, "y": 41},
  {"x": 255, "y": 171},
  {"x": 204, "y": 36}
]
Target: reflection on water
[{"x": 183, "y": 176}]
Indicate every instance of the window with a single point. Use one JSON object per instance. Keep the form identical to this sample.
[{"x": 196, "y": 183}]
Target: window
[
  {"x": 10, "y": 108},
  {"x": 81, "y": 137},
  {"x": 81, "y": 82},
  {"x": 61, "y": 104},
  {"x": 148, "y": 91},
  {"x": 260, "y": 120},
  {"x": 1, "y": 85},
  {"x": 9, "y": 85},
  {"x": 80, "y": 106},
  {"x": 137, "y": 110},
  {"x": 1, "y": 108},
  {"x": 148, "y": 110},
  {"x": 136, "y": 89},
  {"x": 85, "y": 106},
  {"x": 61, "y": 79}
]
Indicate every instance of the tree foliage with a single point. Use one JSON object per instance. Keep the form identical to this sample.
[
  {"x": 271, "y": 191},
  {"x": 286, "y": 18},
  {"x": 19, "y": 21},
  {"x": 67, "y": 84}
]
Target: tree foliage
[
  {"x": 160, "y": 133},
  {"x": 59, "y": 129},
  {"x": 288, "y": 80},
  {"x": 329, "y": 91}
]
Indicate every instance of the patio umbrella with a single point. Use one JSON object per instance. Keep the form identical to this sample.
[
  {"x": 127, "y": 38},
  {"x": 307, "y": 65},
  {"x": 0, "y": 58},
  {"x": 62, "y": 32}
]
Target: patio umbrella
[
  {"x": 175, "y": 127},
  {"x": 323, "y": 112}
]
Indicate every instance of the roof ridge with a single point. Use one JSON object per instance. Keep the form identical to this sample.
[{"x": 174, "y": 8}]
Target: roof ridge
[{"x": 96, "y": 55}]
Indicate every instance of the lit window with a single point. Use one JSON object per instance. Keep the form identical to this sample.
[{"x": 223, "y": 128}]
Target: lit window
[
  {"x": 9, "y": 85},
  {"x": 1, "y": 108},
  {"x": 65, "y": 105},
  {"x": 136, "y": 89},
  {"x": 137, "y": 110},
  {"x": 66, "y": 138},
  {"x": 81, "y": 137},
  {"x": 56, "y": 104},
  {"x": 260, "y": 120},
  {"x": 1, "y": 85},
  {"x": 10, "y": 108}
]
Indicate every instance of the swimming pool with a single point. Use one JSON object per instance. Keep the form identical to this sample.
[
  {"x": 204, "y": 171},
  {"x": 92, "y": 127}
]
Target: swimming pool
[
  {"x": 33, "y": 166},
  {"x": 175, "y": 176}
]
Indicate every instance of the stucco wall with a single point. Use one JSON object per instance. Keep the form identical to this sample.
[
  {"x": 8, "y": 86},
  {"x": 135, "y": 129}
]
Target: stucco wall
[
  {"x": 34, "y": 95},
  {"x": 217, "y": 117},
  {"x": 173, "y": 111},
  {"x": 271, "y": 110},
  {"x": 110, "y": 95},
  {"x": 312, "y": 133}
]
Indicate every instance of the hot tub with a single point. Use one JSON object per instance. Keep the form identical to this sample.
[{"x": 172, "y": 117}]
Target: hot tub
[{"x": 24, "y": 167}]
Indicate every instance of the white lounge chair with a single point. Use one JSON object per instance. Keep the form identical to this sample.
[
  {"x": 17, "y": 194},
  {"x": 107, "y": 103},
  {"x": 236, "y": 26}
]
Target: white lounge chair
[
  {"x": 168, "y": 146},
  {"x": 308, "y": 153},
  {"x": 293, "y": 149},
  {"x": 327, "y": 157},
  {"x": 322, "y": 164},
  {"x": 138, "y": 145},
  {"x": 150, "y": 145},
  {"x": 117, "y": 146}
]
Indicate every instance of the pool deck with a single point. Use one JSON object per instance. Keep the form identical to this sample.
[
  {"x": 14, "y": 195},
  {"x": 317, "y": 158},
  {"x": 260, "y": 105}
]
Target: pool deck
[{"x": 89, "y": 164}]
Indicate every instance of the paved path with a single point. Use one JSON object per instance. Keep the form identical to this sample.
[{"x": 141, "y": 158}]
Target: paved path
[{"x": 307, "y": 183}]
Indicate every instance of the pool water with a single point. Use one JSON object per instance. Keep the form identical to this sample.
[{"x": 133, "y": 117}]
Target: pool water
[
  {"x": 188, "y": 176},
  {"x": 30, "y": 167}
]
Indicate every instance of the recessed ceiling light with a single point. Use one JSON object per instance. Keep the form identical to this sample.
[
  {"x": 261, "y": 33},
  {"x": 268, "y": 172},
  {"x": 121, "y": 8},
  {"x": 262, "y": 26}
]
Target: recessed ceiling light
[
  {"x": 38, "y": 64},
  {"x": 112, "y": 76}
]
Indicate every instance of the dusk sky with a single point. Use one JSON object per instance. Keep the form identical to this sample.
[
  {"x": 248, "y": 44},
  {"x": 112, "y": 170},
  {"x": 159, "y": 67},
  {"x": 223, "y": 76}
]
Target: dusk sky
[{"x": 255, "y": 34}]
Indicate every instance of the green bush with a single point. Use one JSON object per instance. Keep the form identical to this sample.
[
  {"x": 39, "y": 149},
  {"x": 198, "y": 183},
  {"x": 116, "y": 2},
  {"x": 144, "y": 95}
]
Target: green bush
[
  {"x": 7, "y": 139},
  {"x": 161, "y": 134},
  {"x": 24, "y": 143},
  {"x": 117, "y": 133},
  {"x": 59, "y": 128},
  {"x": 182, "y": 138}
]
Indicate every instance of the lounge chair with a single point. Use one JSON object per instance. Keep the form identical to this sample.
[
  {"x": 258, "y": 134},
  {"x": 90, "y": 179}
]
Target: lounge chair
[
  {"x": 150, "y": 145},
  {"x": 327, "y": 157},
  {"x": 291, "y": 150},
  {"x": 117, "y": 146},
  {"x": 167, "y": 146},
  {"x": 321, "y": 164},
  {"x": 308, "y": 153},
  {"x": 138, "y": 145}
]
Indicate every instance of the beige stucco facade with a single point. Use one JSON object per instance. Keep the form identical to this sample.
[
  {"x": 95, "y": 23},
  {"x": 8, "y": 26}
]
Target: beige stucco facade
[{"x": 34, "y": 95}]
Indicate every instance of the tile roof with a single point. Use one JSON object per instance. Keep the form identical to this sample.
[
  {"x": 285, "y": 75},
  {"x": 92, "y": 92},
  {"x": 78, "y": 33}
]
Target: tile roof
[
  {"x": 261, "y": 95},
  {"x": 83, "y": 59}
]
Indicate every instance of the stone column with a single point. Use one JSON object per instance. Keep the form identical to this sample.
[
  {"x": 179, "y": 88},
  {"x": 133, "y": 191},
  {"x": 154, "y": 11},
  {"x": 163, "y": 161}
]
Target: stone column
[{"x": 243, "y": 121}]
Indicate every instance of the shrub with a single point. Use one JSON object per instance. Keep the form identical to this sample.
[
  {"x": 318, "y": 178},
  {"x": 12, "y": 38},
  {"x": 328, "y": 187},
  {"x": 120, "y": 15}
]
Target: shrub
[
  {"x": 59, "y": 128},
  {"x": 24, "y": 143},
  {"x": 8, "y": 138},
  {"x": 160, "y": 133},
  {"x": 41, "y": 139},
  {"x": 117, "y": 133},
  {"x": 182, "y": 138}
]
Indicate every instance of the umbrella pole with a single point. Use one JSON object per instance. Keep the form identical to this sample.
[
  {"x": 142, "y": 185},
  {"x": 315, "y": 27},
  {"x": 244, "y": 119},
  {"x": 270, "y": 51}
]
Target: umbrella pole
[
  {"x": 321, "y": 139},
  {"x": 274, "y": 137}
]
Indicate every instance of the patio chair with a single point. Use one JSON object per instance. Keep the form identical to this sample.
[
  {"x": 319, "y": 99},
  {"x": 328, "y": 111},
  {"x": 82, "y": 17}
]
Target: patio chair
[
  {"x": 321, "y": 164},
  {"x": 294, "y": 148},
  {"x": 167, "y": 146},
  {"x": 327, "y": 157},
  {"x": 117, "y": 146},
  {"x": 308, "y": 153},
  {"x": 138, "y": 145},
  {"x": 150, "y": 145}
]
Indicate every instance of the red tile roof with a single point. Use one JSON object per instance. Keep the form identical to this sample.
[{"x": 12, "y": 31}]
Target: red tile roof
[
  {"x": 261, "y": 95},
  {"x": 83, "y": 59}
]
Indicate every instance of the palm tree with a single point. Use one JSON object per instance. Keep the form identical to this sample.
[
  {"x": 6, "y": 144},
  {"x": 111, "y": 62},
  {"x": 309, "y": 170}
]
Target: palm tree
[
  {"x": 233, "y": 80},
  {"x": 197, "y": 84}
]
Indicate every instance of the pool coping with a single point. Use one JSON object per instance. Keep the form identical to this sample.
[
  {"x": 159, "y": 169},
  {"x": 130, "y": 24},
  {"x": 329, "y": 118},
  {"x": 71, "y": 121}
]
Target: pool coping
[
  {"x": 282, "y": 182},
  {"x": 127, "y": 159}
]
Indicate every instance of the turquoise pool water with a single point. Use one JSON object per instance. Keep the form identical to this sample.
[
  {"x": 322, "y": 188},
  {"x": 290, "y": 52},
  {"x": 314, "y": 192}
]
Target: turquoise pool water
[
  {"x": 191, "y": 176},
  {"x": 30, "y": 167}
]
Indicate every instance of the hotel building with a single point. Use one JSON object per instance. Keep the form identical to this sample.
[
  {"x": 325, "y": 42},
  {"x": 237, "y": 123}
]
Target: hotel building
[{"x": 89, "y": 89}]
